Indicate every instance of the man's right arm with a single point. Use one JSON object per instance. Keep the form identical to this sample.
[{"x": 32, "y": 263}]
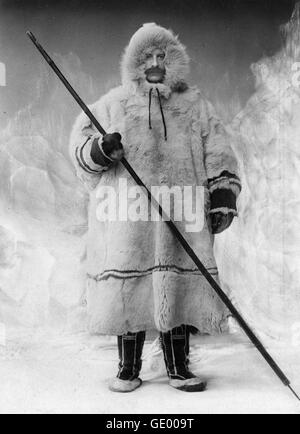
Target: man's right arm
[{"x": 90, "y": 154}]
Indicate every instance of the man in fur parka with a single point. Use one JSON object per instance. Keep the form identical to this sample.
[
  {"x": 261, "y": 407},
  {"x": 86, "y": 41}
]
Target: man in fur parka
[{"x": 139, "y": 276}]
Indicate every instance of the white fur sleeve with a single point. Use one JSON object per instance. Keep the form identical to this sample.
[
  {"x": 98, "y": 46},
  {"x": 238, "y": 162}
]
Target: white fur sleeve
[
  {"x": 220, "y": 161},
  {"x": 82, "y": 135}
]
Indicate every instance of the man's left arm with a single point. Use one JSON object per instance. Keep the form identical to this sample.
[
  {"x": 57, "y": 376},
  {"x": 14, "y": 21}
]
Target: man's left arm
[{"x": 222, "y": 171}]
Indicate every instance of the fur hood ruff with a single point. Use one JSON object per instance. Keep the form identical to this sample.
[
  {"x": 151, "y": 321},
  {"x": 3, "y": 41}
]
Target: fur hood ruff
[{"x": 151, "y": 36}]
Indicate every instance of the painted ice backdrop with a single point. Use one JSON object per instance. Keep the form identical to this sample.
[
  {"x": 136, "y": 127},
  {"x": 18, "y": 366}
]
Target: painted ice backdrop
[
  {"x": 260, "y": 257},
  {"x": 43, "y": 209}
]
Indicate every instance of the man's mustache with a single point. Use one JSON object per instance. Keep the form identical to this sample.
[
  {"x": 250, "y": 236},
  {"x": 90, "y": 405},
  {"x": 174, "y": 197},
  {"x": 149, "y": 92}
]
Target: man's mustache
[{"x": 155, "y": 74}]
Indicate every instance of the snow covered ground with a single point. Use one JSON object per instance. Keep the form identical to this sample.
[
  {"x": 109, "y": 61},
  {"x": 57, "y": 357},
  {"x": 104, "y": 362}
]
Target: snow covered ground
[{"x": 68, "y": 374}]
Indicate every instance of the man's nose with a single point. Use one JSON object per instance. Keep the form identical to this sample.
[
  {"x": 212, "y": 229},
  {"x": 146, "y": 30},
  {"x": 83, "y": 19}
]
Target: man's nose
[{"x": 154, "y": 60}]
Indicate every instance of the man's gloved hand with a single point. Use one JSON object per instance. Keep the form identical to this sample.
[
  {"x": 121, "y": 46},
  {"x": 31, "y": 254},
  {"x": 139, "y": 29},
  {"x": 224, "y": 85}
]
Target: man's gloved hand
[
  {"x": 219, "y": 221},
  {"x": 112, "y": 146}
]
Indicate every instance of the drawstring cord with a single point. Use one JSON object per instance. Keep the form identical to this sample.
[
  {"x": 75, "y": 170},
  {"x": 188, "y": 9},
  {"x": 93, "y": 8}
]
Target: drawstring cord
[
  {"x": 150, "y": 99},
  {"x": 161, "y": 112},
  {"x": 162, "y": 115}
]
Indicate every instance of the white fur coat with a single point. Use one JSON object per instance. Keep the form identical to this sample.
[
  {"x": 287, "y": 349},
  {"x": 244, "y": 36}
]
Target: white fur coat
[{"x": 139, "y": 277}]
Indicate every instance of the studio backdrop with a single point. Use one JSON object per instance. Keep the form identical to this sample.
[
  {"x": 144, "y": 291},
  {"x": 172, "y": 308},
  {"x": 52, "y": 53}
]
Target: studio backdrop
[{"x": 244, "y": 57}]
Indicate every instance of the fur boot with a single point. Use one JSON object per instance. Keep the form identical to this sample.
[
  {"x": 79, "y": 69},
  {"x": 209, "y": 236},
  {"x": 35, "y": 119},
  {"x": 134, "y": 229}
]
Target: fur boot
[
  {"x": 176, "y": 347},
  {"x": 130, "y": 348}
]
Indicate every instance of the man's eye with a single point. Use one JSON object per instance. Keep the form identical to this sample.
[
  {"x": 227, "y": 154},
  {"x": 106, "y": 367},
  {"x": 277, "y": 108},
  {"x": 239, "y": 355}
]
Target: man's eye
[
  {"x": 161, "y": 56},
  {"x": 148, "y": 56}
]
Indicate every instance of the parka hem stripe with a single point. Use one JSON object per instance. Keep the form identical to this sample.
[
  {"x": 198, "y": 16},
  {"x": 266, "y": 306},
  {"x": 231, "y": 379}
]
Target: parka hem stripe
[{"x": 123, "y": 274}]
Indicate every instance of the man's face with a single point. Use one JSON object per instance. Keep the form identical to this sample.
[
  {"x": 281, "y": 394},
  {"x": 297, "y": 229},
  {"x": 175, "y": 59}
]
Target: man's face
[{"x": 155, "y": 65}]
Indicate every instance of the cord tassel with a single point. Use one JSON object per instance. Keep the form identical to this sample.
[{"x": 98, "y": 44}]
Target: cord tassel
[{"x": 162, "y": 115}]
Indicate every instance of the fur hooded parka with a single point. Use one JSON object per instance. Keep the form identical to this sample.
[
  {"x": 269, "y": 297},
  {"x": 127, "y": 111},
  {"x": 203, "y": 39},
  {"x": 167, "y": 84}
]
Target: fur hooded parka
[{"x": 139, "y": 277}]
